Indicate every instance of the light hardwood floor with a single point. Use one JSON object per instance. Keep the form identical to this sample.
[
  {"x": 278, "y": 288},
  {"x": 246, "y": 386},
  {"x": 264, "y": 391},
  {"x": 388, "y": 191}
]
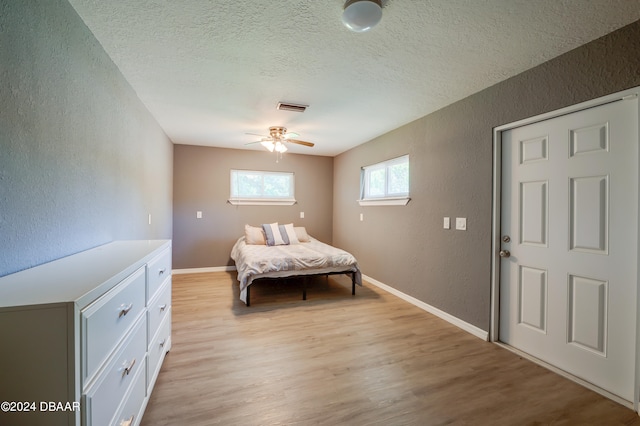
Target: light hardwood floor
[{"x": 337, "y": 359}]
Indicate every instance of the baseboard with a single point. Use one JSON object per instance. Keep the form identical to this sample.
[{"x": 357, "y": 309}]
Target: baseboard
[
  {"x": 203, "y": 270},
  {"x": 469, "y": 328}
]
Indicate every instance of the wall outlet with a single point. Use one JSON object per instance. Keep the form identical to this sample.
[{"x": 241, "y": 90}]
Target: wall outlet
[
  {"x": 198, "y": 215},
  {"x": 461, "y": 223},
  {"x": 447, "y": 223},
  {"x": 301, "y": 215}
]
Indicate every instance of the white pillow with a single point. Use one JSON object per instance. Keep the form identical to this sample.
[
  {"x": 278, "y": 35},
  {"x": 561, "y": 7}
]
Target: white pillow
[
  {"x": 301, "y": 233},
  {"x": 272, "y": 233},
  {"x": 254, "y": 235}
]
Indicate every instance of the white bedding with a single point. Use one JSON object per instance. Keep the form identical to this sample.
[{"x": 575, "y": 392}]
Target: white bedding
[{"x": 313, "y": 257}]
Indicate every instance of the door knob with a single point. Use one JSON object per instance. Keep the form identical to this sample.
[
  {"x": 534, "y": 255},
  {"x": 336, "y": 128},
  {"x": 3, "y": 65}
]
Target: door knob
[{"x": 505, "y": 253}]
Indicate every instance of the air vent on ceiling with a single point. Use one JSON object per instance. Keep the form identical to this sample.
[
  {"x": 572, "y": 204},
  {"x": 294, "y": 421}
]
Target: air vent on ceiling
[{"x": 291, "y": 107}]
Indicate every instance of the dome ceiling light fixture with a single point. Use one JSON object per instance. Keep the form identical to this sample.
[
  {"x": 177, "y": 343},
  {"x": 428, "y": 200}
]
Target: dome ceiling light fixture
[{"x": 361, "y": 15}]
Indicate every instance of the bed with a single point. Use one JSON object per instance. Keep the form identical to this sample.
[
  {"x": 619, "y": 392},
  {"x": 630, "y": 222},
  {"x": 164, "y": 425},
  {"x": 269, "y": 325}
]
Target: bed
[{"x": 294, "y": 255}]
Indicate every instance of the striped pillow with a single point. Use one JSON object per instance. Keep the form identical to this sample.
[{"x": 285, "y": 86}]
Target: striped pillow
[
  {"x": 272, "y": 232},
  {"x": 289, "y": 234}
]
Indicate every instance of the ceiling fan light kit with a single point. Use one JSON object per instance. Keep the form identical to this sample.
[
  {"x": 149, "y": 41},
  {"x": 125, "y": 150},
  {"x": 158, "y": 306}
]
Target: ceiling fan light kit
[
  {"x": 361, "y": 15},
  {"x": 277, "y": 146},
  {"x": 277, "y": 140}
]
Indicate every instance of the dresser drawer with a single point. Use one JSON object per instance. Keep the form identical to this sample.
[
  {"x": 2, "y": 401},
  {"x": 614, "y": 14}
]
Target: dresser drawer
[
  {"x": 105, "y": 322},
  {"x": 158, "y": 308},
  {"x": 130, "y": 413},
  {"x": 158, "y": 348},
  {"x": 158, "y": 269},
  {"x": 112, "y": 385}
]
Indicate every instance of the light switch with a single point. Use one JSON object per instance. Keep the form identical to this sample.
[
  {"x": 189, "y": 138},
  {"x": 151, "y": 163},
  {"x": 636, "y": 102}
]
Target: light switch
[
  {"x": 198, "y": 215},
  {"x": 447, "y": 223},
  {"x": 301, "y": 215},
  {"x": 461, "y": 223},
  {"x": 361, "y": 217}
]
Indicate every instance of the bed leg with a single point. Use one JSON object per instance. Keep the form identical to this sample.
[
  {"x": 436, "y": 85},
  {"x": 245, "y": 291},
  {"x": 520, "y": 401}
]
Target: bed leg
[
  {"x": 248, "y": 296},
  {"x": 353, "y": 283},
  {"x": 304, "y": 288}
]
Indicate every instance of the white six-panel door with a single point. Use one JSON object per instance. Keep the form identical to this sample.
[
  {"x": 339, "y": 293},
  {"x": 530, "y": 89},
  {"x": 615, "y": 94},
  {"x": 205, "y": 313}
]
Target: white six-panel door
[{"x": 569, "y": 212}]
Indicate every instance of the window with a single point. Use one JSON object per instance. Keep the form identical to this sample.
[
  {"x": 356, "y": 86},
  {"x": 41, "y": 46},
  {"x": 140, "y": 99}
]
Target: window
[
  {"x": 385, "y": 183},
  {"x": 259, "y": 188}
]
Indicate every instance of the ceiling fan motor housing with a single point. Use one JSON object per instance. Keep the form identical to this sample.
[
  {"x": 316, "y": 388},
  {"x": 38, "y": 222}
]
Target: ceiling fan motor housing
[{"x": 277, "y": 132}]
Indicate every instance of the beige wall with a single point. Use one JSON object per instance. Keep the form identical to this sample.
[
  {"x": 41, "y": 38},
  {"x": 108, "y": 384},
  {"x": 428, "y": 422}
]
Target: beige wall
[
  {"x": 201, "y": 183},
  {"x": 451, "y": 175}
]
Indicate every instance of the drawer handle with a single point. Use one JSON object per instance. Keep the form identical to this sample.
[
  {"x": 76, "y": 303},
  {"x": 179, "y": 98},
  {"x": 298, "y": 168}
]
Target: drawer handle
[
  {"x": 163, "y": 307},
  {"x": 162, "y": 343},
  {"x": 124, "y": 309},
  {"x": 127, "y": 422},
  {"x": 128, "y": 369},
  {"x": 161, "y": 271}
]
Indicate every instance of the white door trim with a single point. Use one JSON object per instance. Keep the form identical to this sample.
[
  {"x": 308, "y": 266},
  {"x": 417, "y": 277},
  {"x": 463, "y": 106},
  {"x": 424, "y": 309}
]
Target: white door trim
[{"x": 630, "y": 94}]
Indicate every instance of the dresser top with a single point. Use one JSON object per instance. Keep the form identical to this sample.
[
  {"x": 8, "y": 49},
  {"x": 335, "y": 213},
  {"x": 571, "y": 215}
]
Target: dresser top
[{"x": 79, "y": 278}]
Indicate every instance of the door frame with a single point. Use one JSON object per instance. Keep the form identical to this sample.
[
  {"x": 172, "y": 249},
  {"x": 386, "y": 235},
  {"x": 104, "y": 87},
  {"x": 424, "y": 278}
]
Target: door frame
[{"x": 494, "y": 327}]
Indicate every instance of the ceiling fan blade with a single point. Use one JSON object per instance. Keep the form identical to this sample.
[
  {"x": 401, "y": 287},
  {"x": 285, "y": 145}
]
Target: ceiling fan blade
[
  {"x": 290, "y": 135},
  {"x": 260, "y": 141},
  {"x": 256, "y": 134},
  {"x": 300, "y": 142}
]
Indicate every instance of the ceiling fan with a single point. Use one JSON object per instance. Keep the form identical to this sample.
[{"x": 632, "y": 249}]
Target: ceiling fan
[{"x": 278, "y": 138}]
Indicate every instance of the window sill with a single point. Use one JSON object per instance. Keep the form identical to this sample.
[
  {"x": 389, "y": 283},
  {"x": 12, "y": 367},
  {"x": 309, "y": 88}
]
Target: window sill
[
  {"x": 400, "y": 201},
  {"x": 260, "y": 202}
]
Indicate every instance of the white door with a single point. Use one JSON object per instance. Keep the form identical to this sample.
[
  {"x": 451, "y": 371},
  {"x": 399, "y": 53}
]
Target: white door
[{"x": 569, "y": 208}]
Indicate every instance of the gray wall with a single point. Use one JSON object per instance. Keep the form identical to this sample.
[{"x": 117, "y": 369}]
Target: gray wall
[
  {"x": 201, "y": 183},
  {"x": 451, "y": 175},
  {"x": 82, "y": 162}
]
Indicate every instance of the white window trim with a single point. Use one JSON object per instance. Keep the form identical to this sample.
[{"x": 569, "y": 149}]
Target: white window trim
[
  {"x": 264, "y": 201},
  {"x": 392, "y": 200}
]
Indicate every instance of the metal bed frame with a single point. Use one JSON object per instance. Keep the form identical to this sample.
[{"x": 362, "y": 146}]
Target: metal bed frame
[{"x": 305, "y": 278}]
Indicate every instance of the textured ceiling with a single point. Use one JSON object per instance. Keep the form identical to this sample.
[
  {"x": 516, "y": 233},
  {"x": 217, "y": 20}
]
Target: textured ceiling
[{"x": 211, "y": 70}]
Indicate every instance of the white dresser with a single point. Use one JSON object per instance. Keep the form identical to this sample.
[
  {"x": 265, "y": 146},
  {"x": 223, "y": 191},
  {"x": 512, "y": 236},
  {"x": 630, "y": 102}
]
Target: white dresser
[{"x": 82, "y": 339}]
